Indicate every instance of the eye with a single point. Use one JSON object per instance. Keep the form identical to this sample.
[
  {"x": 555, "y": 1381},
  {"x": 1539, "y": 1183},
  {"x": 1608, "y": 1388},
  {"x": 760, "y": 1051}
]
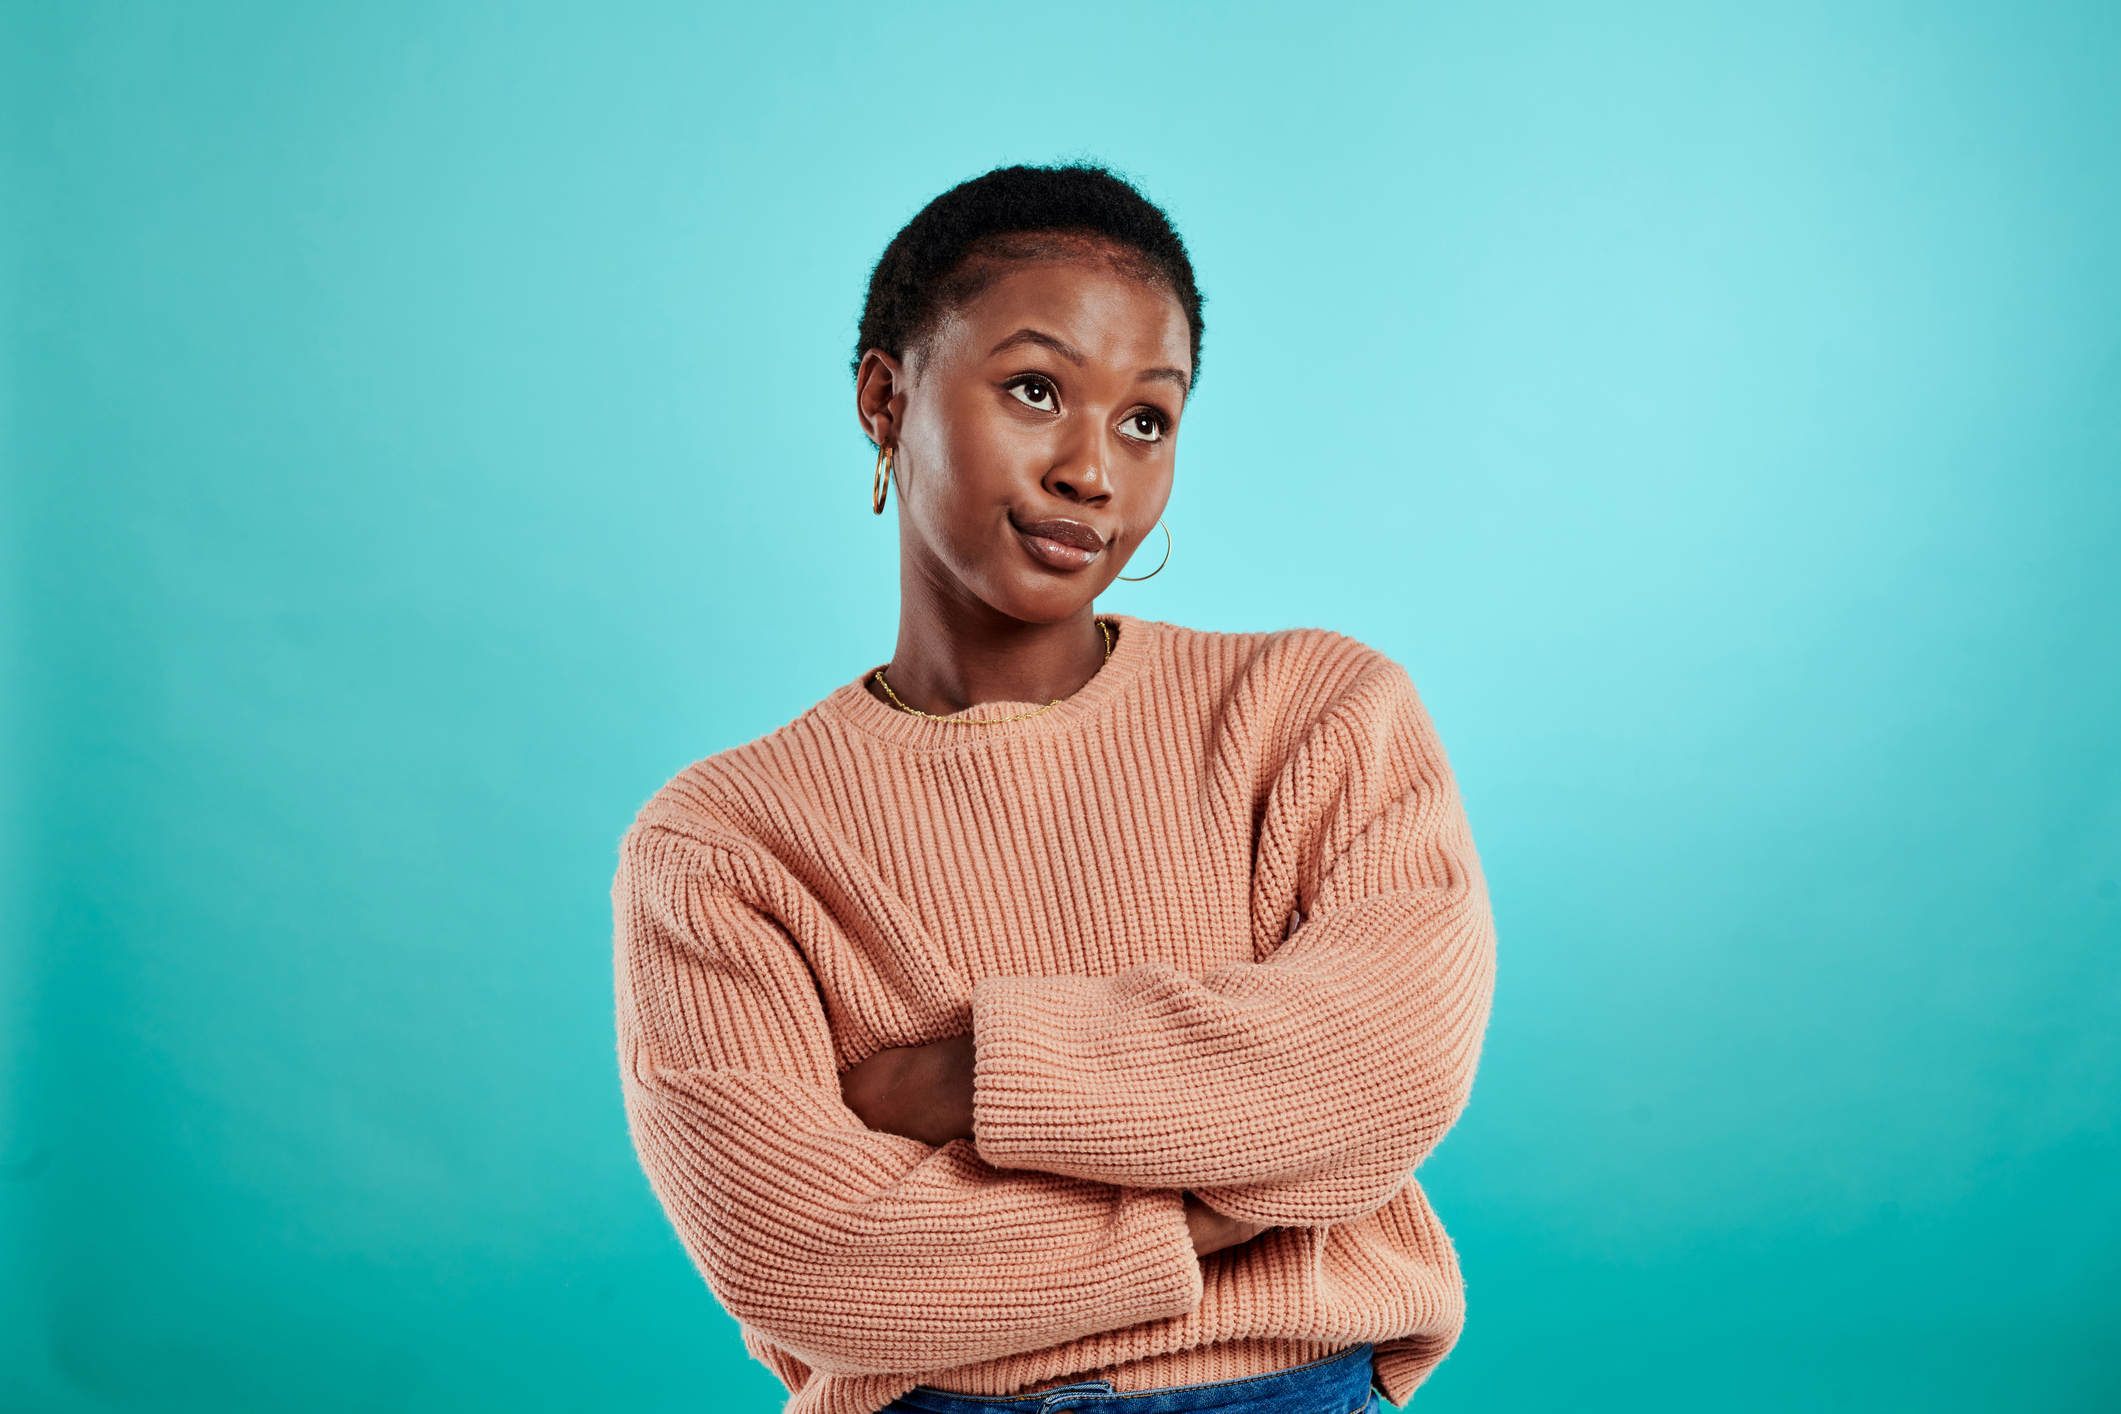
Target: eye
[
  {"x": 1037, "y": 393},
  {"x": 1143, "y": 425}
]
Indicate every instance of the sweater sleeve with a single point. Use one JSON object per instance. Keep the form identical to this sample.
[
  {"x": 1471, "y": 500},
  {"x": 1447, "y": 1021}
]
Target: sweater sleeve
[
  {"x": 1302, "y": 1088},
  {"x": 855, "y": 1251}
]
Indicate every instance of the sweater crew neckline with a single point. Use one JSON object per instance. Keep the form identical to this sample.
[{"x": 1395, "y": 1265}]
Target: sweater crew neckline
[{"x": 857, "y": 707}]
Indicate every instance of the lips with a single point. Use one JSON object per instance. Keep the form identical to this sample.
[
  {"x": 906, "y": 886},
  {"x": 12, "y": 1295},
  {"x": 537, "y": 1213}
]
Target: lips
[{"x": 1062, "y": 544}]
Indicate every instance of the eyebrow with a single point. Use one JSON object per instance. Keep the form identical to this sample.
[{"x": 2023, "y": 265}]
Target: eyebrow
[
  {"x": 1044, "y": 341},
  {"x": 1069, "y": 352}
]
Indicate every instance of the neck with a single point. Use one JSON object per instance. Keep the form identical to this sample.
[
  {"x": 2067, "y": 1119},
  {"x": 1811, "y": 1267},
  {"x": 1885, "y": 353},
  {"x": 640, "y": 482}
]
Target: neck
[{"x": 956, "y": 651}]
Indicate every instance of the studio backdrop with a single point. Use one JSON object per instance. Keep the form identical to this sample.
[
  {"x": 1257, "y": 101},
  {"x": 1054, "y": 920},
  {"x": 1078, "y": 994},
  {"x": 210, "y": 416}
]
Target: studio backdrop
[{"x": 428, "y": 427}]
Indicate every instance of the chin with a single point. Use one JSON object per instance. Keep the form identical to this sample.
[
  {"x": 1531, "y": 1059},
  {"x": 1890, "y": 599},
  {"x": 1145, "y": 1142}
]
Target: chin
[{"x": 1047, "y": 603}]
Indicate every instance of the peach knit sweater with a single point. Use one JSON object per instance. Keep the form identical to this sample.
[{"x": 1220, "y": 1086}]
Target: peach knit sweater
[{"x": 1216, "y": 924}]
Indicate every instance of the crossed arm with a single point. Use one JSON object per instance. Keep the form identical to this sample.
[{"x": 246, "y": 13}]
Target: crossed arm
[
  {"x": 1119, "y": 1127},
  {"x": 925, "y": 1093}
]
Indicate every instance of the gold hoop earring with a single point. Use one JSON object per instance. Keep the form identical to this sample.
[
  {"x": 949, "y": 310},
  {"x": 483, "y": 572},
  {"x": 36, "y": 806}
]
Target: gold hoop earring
[
  {"x": 880, "y": 484},
  {"x": 1138, "y": 578}
]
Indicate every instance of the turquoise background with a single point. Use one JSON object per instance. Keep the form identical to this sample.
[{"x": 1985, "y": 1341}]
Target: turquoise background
[{"x": 427, "y": 428}]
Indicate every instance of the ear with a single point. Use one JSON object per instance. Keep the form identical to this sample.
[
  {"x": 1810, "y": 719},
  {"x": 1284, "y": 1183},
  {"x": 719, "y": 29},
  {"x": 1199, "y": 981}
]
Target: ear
[{"x": 880, "y": 397}]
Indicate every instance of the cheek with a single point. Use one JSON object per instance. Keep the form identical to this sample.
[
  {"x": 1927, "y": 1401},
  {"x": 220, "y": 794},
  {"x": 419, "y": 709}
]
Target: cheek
[
  {"x": 987, "y": 445},
  {"x": 969, "y": 463},
  {"x": 947, "y": 492}
]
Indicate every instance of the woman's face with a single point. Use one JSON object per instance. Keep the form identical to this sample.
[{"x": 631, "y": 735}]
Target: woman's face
[{"x": 1035, "y": 436}]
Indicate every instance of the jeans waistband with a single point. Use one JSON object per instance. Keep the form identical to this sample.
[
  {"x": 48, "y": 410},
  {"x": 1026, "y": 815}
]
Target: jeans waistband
[{"x": 1339, "y": 1384}]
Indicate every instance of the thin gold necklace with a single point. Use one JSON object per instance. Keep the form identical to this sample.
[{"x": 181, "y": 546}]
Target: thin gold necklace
[{"x": 1102, "y": 628}]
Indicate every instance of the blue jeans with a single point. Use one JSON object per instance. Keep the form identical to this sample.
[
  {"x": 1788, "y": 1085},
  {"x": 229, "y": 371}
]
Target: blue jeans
[{"x": 1340, "y": 1385}]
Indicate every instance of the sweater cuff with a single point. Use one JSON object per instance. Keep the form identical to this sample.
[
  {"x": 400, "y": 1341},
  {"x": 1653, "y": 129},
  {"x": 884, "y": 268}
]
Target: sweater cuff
[
  {"x": 1153, "y": 1246},
  {"x": 1030, "y": 1085}
]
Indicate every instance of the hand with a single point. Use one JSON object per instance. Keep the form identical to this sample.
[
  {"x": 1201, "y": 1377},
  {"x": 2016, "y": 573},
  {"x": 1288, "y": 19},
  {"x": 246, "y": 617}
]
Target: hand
[
  {"x": 1212, "y": 1231},
  {"x": 918, "y": 1092}
]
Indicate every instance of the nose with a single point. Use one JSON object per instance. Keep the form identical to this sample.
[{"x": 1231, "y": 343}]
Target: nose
[{"x": 1078, "y": 471}]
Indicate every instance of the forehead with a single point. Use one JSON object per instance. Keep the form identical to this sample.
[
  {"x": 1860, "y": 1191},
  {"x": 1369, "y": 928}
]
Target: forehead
[{"x": 1086, "y": 299}]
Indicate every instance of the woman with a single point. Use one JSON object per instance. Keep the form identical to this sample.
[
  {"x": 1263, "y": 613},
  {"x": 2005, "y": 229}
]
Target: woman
[{"x": 1058, "y": 1012}]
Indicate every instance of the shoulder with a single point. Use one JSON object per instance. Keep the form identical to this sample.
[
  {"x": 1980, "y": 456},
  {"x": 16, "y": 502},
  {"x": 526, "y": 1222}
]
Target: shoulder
[
  {"x": 1298, "y": 654},
  {"x": 1294, "y": 678},
  {"x": 714, "y": 820}
]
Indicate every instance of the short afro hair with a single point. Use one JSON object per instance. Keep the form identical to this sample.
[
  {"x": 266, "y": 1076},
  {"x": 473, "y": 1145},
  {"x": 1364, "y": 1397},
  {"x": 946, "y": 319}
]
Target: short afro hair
[{"x": 923, "y": 272}]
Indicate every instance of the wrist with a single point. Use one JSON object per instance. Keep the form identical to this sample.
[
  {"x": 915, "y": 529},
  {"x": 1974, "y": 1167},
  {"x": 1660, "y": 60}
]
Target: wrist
[{"x": 1212, "y": 1231}]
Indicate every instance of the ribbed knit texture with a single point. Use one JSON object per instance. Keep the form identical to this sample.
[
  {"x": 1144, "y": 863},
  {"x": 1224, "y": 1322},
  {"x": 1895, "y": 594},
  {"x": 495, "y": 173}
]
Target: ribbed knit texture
[{"x": 1216, "y": 923}]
